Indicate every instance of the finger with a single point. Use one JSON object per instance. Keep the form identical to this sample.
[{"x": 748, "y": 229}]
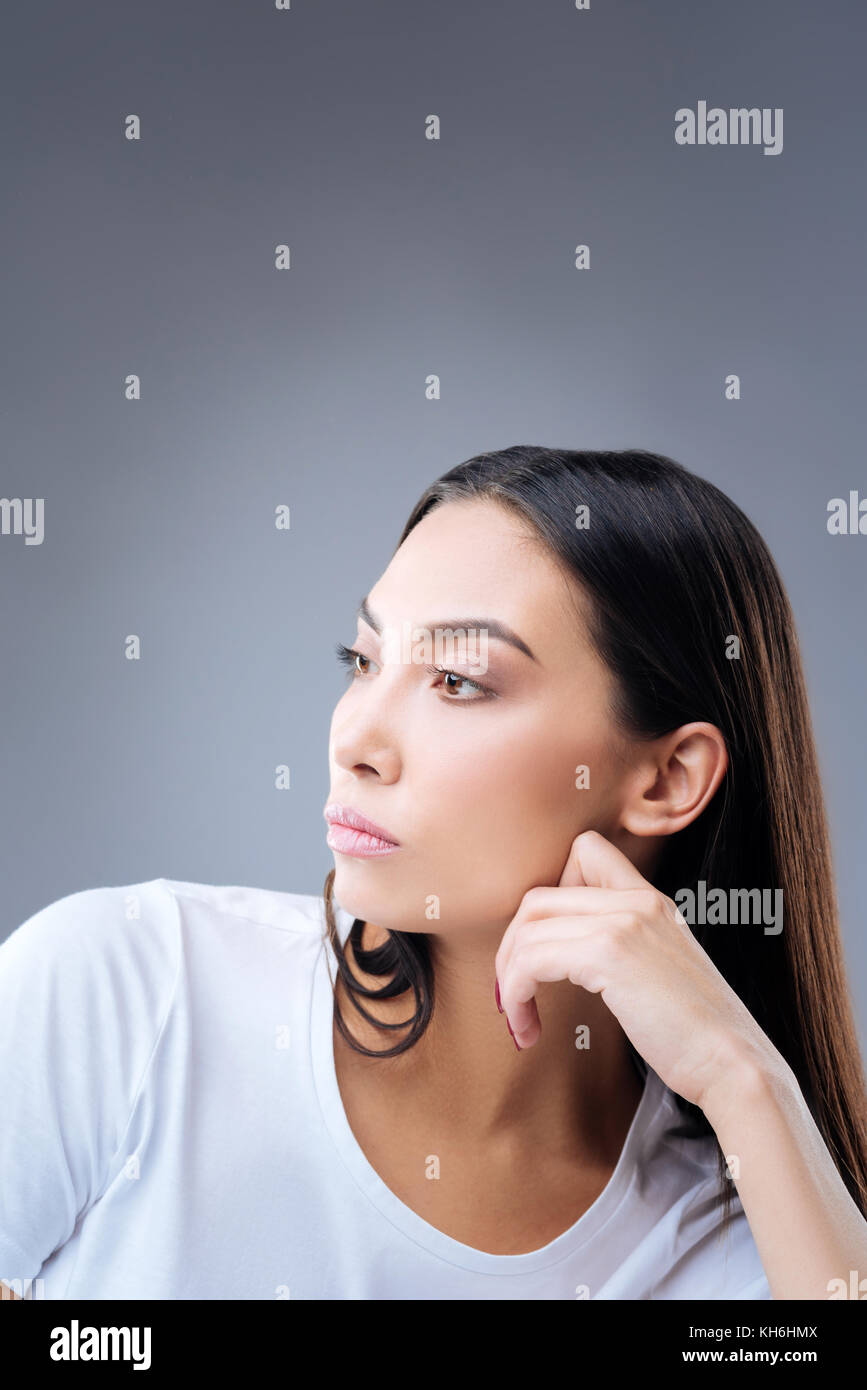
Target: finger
[
  {"x": 559, "y": 928},
  {"x": 571, "y": 901},
  {"x": 592, "y": 862},
  {"x": 540, "y": 903},
  {"x": 575, "y": 957}
]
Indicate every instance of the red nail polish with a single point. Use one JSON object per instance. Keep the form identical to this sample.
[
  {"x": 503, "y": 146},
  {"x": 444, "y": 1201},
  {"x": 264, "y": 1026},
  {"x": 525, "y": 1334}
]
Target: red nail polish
[
  {"x": 497, "y": 994},
  {"x": 514, "y": 1039}
]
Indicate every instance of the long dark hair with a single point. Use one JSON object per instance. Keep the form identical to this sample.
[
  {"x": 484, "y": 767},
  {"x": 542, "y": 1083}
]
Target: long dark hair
[{"x": 673, "y": 569}]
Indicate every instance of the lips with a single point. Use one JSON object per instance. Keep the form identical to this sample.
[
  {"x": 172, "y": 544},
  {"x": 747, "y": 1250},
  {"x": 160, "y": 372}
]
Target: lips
[{"x": 350, "y": 832}]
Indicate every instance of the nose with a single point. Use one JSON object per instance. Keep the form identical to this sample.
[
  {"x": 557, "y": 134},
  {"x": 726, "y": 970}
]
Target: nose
[{"x": 363, "y": 737}]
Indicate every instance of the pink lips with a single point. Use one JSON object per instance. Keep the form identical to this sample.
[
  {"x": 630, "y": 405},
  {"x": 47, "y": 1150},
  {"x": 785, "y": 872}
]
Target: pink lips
[{"x": 351, "y": 833}]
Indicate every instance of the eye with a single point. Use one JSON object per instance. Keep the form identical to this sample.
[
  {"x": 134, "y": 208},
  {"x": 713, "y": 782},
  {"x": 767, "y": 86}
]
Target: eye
[
  {"x": 349, "y": 657},
  {"x": 484, "y": 693}
]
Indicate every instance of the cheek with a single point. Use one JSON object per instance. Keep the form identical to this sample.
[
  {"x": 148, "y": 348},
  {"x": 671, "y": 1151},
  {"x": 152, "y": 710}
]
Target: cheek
[
  {"x": 513, "y": 802},
  {"x": 520, "y": 763}
]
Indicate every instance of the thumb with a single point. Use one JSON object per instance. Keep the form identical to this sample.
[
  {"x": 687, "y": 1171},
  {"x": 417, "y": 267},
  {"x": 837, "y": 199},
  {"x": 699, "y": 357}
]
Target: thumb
[
  {"x": 594, "y": 862},
  {"x": 572, "y": 876}
]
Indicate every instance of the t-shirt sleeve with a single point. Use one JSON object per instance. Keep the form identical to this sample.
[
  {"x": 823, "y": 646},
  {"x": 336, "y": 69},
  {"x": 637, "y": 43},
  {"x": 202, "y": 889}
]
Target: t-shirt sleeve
[{"x": 85, "y": 989}]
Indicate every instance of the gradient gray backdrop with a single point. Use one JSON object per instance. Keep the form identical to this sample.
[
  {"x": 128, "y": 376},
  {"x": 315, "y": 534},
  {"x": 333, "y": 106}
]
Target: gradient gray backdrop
[{"x": 307, "y": 386}]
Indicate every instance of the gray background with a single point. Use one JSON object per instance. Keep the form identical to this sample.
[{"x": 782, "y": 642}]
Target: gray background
[{"x": 306, "y": 386}]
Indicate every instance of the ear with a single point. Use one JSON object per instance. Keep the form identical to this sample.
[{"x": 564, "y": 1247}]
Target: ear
[{"x": 675, "y": 779}]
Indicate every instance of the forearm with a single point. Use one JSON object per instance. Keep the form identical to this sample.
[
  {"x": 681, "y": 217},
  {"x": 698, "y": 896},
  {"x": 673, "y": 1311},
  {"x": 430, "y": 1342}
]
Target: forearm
[{"x": 807, "y": 1229}]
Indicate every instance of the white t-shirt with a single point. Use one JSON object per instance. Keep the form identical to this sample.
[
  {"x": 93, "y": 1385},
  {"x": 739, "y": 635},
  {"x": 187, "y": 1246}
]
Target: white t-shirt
[{"x": 171, "y": 1127}]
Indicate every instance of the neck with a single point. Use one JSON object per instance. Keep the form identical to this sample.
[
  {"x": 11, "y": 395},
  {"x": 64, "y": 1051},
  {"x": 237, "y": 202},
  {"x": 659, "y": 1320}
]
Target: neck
[{"x": 577, "y": 1102}]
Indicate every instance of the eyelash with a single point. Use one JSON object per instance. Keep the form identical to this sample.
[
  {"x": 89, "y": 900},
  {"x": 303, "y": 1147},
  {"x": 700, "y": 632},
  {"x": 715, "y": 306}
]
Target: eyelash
[{"x": 347, "y": 657}]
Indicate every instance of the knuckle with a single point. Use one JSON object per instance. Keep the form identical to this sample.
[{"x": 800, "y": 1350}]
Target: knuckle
[
  {"x": 618, "y": 930},
  {"x": 518, "y": 959},
  {"x": 646, "y": 902},
  {"x": 627, "y": 925}
]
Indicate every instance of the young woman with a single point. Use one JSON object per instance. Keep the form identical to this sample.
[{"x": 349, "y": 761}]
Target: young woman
[{"x": 527, "y": 1044}]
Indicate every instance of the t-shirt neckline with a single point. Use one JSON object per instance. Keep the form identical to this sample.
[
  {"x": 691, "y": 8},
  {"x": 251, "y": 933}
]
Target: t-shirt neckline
[{"x": 650, "y": 1113}]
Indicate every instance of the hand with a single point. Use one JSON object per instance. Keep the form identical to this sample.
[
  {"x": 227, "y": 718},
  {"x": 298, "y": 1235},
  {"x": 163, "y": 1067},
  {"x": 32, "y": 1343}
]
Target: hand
[{"x": 605, "y": 928}]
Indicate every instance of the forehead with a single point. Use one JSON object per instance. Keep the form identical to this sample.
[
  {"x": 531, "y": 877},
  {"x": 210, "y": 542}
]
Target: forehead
[{"x": 475, "y": 559}]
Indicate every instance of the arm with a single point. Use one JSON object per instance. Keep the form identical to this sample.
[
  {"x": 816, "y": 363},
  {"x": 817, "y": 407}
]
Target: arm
[{"x": 806, "y": 1226}]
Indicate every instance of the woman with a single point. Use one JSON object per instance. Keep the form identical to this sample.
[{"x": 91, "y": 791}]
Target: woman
[{"x": 235, "y": 1093}]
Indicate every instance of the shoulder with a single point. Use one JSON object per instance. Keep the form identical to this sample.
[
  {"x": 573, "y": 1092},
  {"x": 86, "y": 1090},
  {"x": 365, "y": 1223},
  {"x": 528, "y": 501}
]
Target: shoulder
[
  {"x": 133, "y": 939},
  {"x": 284, "y": 912},
  {"x": 100, "y": 917},
  {"x": 90, "y": 966},
  {"x": 109, "y": 997},
  {"x": 106, "y": 923}
]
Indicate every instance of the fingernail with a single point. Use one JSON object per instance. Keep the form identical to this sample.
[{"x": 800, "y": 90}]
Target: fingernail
[
  {"x": 514, "y": 1039},
  {"x": 497, "y": 993}
]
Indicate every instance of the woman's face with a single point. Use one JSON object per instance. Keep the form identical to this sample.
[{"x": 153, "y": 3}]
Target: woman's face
[{"x": 479, "y": 790}]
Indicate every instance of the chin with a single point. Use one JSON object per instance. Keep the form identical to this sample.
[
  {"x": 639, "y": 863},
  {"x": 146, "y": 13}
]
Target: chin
[
  {"x": 355, "y": 887},
  {"x": 358, "y": 891}
]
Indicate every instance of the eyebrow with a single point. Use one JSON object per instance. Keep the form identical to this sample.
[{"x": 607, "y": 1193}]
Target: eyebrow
[{"x": 494, "y": 628}]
